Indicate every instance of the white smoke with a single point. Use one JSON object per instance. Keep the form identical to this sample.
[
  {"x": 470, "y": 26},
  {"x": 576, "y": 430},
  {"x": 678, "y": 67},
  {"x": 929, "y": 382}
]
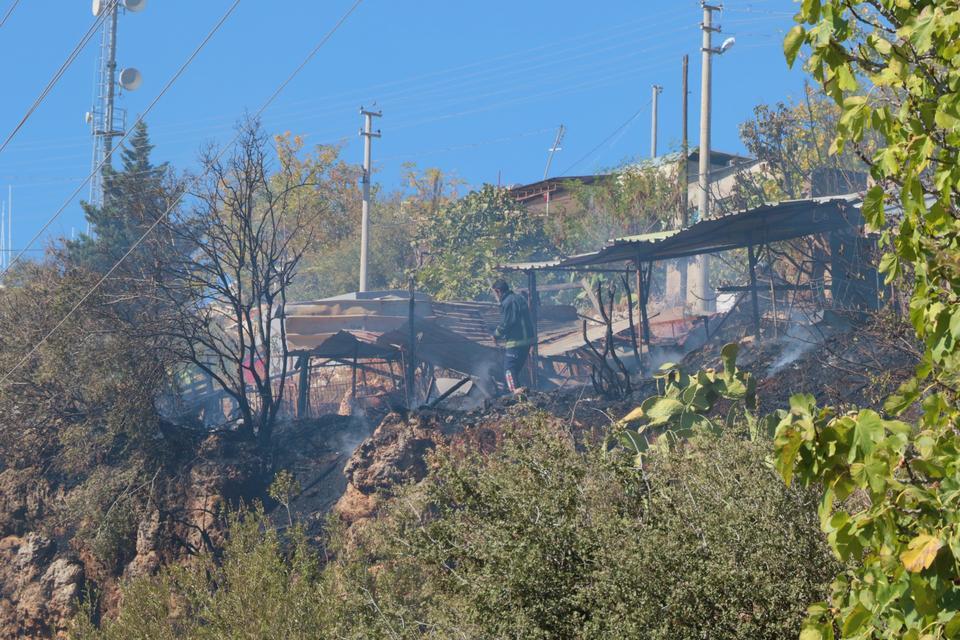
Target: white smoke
[{"x": 799, "y": 340}]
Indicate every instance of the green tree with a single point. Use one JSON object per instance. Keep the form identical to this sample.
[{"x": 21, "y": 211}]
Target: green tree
[
  {"x": 464, "y": 241},
  {"x": 890, "y": 489},
  {"x": 135, "y": 196},
  {"x": 791, "y": 140},
  {"x": 632, "y": 199}
]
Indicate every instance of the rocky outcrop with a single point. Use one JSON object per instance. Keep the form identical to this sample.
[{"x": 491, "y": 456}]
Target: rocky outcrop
[
  {"x": 24, "y": 499},
  {"x": 393, "y": 455},
  {"x": 315, "y": 453},
  {"x": 181, "y": 510},
  {"x": 39, "y": 589}
]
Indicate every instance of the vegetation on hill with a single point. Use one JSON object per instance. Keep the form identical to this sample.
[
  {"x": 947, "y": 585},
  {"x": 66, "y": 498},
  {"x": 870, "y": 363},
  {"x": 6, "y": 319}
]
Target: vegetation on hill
[
  {"x": 843, "y": 524},
  {"x": 537, "y": 537}
]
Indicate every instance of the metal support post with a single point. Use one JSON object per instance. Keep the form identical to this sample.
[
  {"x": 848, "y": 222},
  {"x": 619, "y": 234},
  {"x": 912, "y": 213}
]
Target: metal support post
[{"x": 111, "y": 85}]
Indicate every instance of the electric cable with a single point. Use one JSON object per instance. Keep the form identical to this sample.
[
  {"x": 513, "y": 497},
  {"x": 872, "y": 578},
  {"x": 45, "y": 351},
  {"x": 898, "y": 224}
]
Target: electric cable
[
  {"x": 183, "y": 191},
  {"x": 486, "y": 77},
  {"x": 6, "y": 16},
  {"x": 107, "y": 157},
  {"x": 56, "y": 77},
  {"x": 466, "y": 145},
  {"x": 409, "y": 87},
  {"x": 418, "y": 95},
  {"x": 626, "y": 123}
]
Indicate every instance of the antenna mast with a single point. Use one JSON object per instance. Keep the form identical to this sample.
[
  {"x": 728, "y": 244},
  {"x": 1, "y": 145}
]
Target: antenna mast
[
  {"x": 556, "y": 147},
  {"x": 105, "y": 120}
]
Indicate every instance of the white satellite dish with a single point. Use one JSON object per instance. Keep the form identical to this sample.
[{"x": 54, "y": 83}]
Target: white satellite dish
[
  {"x": 135, "y": 5},
  {"x": 88, "y": 117},
  {"x": 97, "y": 7},
  {"x": 131, "y": 79}
]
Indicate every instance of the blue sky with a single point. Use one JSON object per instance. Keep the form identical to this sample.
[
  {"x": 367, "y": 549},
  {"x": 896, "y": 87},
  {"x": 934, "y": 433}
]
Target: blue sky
[{"x": 475, "y": 88}]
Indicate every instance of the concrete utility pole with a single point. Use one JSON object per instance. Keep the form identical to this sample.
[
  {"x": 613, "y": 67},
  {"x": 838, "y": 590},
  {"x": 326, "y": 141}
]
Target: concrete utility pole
[
  {"x": 367, "y": 134},
  {"x": 552, "y": 150},
  {"x": 682, "y": 220},
  {"x": 704, "y": 300},
  {"x": 685, "y": 151},
  {"x": 657, "y": 90}
]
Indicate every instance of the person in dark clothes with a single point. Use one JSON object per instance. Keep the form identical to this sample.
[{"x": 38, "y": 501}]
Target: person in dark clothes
[{"x": 514, "y": 333}]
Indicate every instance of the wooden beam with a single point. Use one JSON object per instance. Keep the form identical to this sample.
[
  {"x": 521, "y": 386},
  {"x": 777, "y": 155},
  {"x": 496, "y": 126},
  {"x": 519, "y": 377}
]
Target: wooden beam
[
  {"x": 591, "y": 295},
  {"x": 411, "y": 351},
  {"x": 633, "y": 329},
  {"x": 753, "y": 290},
  {"x": 303, "y": 390},
  {"x": 353, "y": 382},
  {"x": 534, "y": 303},
  {"x": 739, "y": 288},
  {"x": 449, "y": 392},
  {"x": 643, "y": 294}
]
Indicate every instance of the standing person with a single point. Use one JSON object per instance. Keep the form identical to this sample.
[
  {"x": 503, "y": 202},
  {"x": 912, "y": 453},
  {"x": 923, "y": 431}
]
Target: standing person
[{"x": 515, "y": 332}]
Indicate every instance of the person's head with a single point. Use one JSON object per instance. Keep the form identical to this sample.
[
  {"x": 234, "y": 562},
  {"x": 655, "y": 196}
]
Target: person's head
[{"x": 501, "y": 288}]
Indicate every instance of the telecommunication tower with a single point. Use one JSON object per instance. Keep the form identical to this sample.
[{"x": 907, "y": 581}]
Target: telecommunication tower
[{"x": 105, "y": 120}]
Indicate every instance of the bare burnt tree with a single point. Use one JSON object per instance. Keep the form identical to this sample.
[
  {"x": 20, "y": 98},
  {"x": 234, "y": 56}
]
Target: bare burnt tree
[
  {"x": 611, "y": 381},
  {"x": 247, "y": 230}
]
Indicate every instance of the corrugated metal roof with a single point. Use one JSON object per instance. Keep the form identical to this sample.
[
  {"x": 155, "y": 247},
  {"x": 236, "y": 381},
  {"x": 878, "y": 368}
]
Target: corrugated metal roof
[
  {"x": 771, "y": 222},
  {"x": 656, "y": 236}
]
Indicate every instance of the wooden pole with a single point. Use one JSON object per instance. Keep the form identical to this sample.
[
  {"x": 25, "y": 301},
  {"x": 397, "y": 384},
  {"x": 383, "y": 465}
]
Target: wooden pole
[
  {"x": 449, "y": 392},
  {"x": 640, "y": 291},
  {"x": 643, "y": 293},
  {"x": 411, "y": 350},
  {"x": 753, "y": 290},
  {"x": 534, "y": 304},
  {"x": 633, "y": 329},
  {"x": 303, "y": 406},
  {"x": 773, "y": 296},
  {"x": 353, "y": 383}
]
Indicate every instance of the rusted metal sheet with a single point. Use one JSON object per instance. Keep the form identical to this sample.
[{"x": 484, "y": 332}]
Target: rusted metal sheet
[
  {"x": 446, "y": 349},
  {"x": 345, "y": 345}
]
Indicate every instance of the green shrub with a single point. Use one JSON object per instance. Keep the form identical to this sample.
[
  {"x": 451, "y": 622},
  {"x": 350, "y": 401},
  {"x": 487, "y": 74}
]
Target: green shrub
[
  {"x": 263, "y": 587},
  {"x": 539, "y": 538}
]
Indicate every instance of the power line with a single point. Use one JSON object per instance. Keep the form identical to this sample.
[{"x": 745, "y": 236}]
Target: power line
[
  {"x": 56, "y": 77},
  {"x": 107, "y": 157},
  {"x": 414, "y": 95},
  {"x": 183, "y": 191},
  {"x": 408, "y": 87},
  {"x": 559, "y": 82},
  {"x": 626, "y": 123},
  {"x": 6, "y": 16},
  {"x": 489, "y": 76},
  {"x": 465, "y": 145}
]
